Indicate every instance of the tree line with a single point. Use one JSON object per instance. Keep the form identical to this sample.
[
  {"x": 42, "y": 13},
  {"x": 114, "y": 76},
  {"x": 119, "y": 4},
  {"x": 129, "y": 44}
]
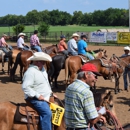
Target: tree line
[{"x": 108, "y": 17}]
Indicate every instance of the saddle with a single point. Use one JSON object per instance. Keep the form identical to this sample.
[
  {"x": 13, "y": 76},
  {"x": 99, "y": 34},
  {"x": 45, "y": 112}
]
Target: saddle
[
  {"x": 26, "y": 114},
  {"x": 83, "y": 58}
]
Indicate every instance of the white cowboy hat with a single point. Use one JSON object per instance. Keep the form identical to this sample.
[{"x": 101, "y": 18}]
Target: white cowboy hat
[
  {"x": 21, "y": 34},
  {"x": 127, "y": 48},
  {"x": 75, "y": 35},
  {"x": 37, "y": 56},
  {"x": 4, "y": 35}
]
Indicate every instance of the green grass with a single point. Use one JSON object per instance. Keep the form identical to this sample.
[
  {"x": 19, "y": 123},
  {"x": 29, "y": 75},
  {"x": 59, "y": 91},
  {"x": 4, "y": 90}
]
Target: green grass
[{"x": 73, "y": 28}]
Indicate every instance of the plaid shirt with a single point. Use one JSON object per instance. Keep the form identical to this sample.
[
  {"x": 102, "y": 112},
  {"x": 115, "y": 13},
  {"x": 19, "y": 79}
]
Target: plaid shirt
[
  {"x": 79, "y": 105},
  {"x": 34, "y": 40}
]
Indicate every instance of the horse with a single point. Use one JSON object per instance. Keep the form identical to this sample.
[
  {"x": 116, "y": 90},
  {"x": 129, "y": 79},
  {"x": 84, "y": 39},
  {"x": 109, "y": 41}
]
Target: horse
[
  {"x": 7, "y": 122},
  {"x": 58, "y": 63},
  {"x": 74, "y": 63},
  {"x": 21, "y": 60},
  {"x": 121, "y": 63},
  {"x": 53, "y": 49}
]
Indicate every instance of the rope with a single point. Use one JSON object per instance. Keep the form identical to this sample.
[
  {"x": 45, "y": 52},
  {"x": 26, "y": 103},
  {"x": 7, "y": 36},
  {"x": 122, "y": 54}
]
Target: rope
[{"x": 116, "y": 121}]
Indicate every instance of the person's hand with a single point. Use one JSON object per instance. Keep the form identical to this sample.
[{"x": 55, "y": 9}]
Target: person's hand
[
  {"x": 41, "y": 97},
  {"x": 54, "y": 95}
]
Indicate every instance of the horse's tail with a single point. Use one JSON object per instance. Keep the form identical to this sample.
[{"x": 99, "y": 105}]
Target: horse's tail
[
  {"x": 66, "y": 70},
  {"x": 13, "y": 70}
]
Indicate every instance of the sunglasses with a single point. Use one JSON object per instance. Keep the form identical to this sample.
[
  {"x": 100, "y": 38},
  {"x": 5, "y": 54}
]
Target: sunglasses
[{"x": 91, "y": 73}]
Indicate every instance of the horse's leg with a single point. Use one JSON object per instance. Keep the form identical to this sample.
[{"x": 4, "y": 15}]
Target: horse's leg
[
  {"x": 55, "y": 78},
  {"x": 72, "y": 76},
  {"x": 2, "y": 62}
]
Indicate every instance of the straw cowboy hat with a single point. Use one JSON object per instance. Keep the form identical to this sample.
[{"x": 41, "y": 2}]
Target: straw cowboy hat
[
  {"x": 21, "y": 34},
  {"x": 127, "y": 48},
  {"x": 75, "y": 35},
  {"x": 37, "y": 56}
]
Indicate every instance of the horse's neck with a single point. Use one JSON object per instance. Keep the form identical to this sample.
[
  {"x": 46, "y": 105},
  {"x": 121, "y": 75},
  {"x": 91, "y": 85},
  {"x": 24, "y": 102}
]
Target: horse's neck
[{"x": 98, "y": 55}]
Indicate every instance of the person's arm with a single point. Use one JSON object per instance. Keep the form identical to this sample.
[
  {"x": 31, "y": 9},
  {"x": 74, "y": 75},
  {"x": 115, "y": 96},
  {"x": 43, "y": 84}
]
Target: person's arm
[
  {"x": 90, "y": 109},
  {"x": 28, "y": 81},
  {"x": 64, "y": 45},
  {"x": 4, "y": 42}
]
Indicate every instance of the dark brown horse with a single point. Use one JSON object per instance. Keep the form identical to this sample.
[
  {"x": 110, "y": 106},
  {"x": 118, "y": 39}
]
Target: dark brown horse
[
  {"x": 21, "y": 60},
  {"x": 74, "y": 63},
  {"x": 7, "y": 122}
]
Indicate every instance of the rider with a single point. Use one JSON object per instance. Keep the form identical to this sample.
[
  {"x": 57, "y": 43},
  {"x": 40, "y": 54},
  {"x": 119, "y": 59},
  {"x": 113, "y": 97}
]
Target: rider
[
  {"x": 126, "y": 71},
  {"x": 37, "y": 89},
  {"x": 34, "y": 42},
  {"x": 72, "y": 45},
  {"x": 62, "y": 46},
  {"x": 83, "y": 47},
  {"x": 20, "y": 42},
  {"x": 4, "y": 45}
]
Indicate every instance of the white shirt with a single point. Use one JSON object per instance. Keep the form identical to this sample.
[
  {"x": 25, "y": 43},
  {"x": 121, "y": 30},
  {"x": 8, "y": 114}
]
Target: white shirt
[
  {"x": 20, "y": 41},
  {"x": 72, "y": 45},
  {"x": 35, "y": 83}
]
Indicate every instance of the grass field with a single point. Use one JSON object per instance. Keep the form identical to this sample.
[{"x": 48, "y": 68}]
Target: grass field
[{"x": 68, "y": 28}]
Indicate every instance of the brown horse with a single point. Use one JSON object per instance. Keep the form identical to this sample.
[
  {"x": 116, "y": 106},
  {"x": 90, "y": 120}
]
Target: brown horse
[
  {"x": 53, "y": 49},
  {"x": 7, "y": 122},
  {"x": 21, "y": 60},
  {"x": 121, "y": 63},
  {"x": 74, "y": 63}
]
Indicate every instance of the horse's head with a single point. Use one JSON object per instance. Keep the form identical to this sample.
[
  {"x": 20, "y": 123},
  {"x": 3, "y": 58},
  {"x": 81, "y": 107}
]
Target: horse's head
[
  {"x": 53, "y": 49},
  {"x": 104, "y": 99},
  {"x": 101, "y": 54}
]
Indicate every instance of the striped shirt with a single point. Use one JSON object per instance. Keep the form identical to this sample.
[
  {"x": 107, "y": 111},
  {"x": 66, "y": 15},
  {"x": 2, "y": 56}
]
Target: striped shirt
[{"x": 79, "y": 105}]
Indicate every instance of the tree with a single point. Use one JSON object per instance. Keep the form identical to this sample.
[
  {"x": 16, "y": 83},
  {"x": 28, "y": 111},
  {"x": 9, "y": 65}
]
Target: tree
[
  {"x": 18, "y": 28},
  {"x": 43, "y": 28}
]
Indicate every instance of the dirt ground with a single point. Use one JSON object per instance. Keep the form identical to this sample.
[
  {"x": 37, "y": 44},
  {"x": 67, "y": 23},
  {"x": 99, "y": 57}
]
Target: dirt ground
[{"x": 11, "y": 91}]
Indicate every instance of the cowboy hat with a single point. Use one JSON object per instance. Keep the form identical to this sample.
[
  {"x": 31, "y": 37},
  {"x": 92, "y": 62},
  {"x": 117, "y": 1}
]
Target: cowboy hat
[
  {"x": 75, "y": 35},
  {"x": 4, "y": 35},
  {"x": 37, "y": 56},
  {"x": 127, "y": 48},
  {"x": 21, "y": 34}
]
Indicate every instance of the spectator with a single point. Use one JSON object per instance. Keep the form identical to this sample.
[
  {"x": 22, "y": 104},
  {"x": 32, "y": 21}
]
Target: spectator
[{"x": 126, "y": 71}]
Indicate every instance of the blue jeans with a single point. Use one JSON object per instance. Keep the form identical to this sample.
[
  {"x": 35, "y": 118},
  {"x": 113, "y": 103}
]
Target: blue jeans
[
  {"x": 82, "y": 129},
  {"x": 125, "y": 74},
  {"x": 38, "y": 48},
  {"x": 5, "y": 50},
  {"x": 43, "y": 109},
  {"x": 73, "y": 53},
  {"x": 89, "y": 56}
]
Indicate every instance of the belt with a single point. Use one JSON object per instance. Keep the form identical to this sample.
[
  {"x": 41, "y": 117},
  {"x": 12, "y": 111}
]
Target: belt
[{"x": 76, "y": 128}]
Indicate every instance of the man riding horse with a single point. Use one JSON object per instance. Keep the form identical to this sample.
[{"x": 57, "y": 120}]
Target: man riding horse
[{"x": 83, "y": 48}]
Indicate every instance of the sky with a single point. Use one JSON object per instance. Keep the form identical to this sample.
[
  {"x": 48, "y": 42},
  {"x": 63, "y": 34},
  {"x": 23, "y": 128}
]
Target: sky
[{"x": 22, "y": 7}]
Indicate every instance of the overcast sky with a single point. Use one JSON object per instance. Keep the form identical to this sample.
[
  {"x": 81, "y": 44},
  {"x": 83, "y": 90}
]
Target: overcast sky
[{"x": 22, "y": 7}]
